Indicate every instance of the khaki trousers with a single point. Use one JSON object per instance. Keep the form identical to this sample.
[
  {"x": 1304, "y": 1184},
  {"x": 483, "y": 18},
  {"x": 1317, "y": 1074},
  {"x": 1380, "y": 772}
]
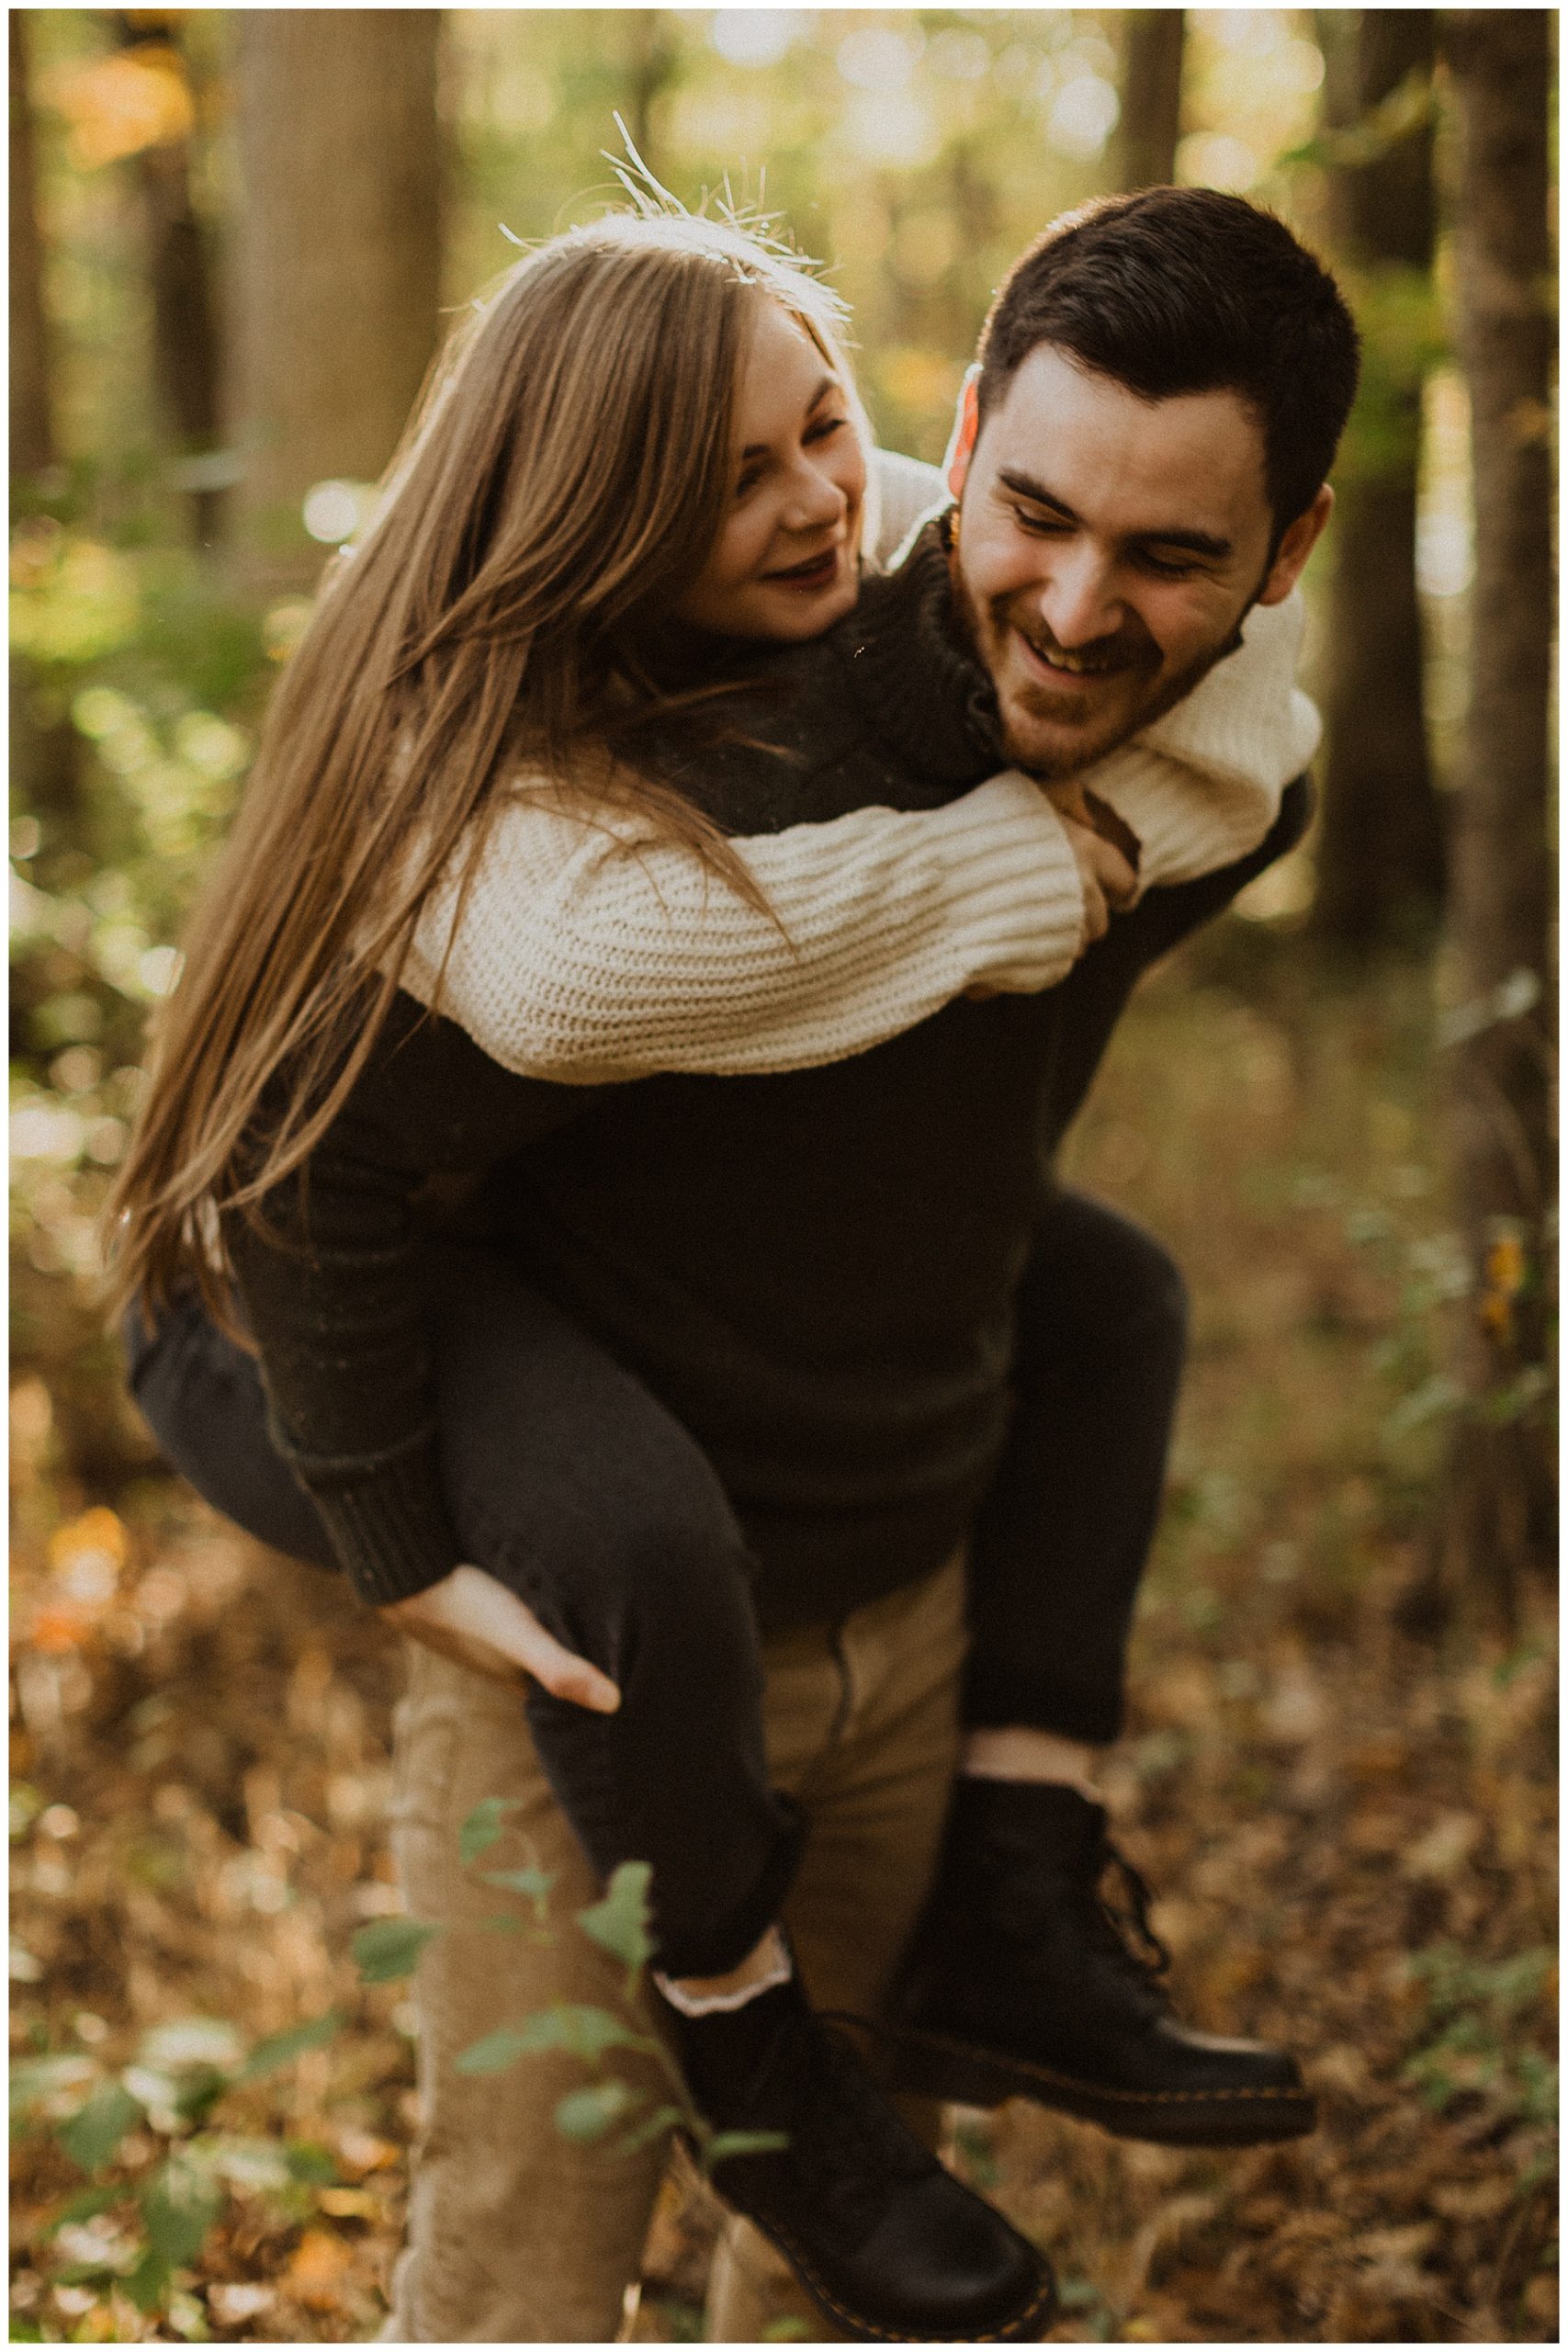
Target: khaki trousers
[{"x": 517, "y": 2234}]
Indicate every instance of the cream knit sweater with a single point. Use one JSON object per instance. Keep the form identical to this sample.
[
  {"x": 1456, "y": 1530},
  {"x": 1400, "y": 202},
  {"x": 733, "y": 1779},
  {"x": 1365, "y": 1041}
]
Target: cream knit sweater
[{"x": 592, "y": 952}]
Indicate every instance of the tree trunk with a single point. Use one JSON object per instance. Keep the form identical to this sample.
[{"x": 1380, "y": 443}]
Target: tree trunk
[
  {"x": 185, "y": 349},
  {"x": 32, "y": 431},
  {"x": 338, "y": 259},
  {"x": 1151, "y": 98},
  {"x": 1500, "y": 1108},
  {"x": 651, "y": 68},
  {"x": 1380, "y": 856}
]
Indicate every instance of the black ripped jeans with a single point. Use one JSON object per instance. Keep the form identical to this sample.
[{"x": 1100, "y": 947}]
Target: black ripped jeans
[{"x": 568, "y": 1481}]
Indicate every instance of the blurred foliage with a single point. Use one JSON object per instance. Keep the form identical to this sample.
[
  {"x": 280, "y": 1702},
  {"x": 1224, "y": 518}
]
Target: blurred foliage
[
  {"x": 915, "y": 152},
  {"x": 201, "y": 1733}
]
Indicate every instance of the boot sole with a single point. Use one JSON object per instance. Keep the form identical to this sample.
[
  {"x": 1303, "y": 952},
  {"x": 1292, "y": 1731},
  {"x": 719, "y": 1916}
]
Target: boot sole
[
  {"x": 1027, "y": 2328},
  {"x": 934, "y": 2066}
]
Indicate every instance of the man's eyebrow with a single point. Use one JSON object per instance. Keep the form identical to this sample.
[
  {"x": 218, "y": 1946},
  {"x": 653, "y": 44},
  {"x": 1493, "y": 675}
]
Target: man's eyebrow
[
  {"x": 1196, "y": 542},
  {"x": 760, "y": 449}
]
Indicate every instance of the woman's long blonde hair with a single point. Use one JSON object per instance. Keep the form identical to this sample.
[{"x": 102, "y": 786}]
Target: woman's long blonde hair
[{"x": 565, "y": 477}]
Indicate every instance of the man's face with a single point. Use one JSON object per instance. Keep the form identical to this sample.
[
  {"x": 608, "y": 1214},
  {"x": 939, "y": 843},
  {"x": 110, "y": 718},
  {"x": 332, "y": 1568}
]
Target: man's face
[{"x": 1109, "y": 547}]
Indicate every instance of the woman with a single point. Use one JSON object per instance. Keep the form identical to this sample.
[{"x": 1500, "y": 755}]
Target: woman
[{"x": 512, "y": 610}]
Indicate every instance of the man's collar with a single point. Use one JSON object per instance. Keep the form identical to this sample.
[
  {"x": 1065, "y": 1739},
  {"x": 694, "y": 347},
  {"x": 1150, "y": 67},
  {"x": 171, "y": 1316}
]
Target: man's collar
[{"x": 914, "y": 674}]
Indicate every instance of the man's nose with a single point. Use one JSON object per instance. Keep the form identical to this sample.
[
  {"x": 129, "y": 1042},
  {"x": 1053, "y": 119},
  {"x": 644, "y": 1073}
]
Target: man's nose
[
  {"x": 815, "y": 498},
  {"x": 1077, "y": 599}
]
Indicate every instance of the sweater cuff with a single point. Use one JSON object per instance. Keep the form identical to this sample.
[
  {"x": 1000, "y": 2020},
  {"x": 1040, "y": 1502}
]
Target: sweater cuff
[
  {"x": 388, "y": 1526},
  {"x": 1017, "y": 902}
]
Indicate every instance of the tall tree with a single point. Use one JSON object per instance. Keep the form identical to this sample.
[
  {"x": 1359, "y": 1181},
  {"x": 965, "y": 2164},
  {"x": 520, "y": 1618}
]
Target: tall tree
[
  {"x": 651, "y": 63},
  {"x": 1150, "y": 123},
  {"x": 1380, "y": 863},
  {"x": 339, "y": 254},
  {"x": 32, "y": 429},
  {"x": 185, "y": 349},
  {"x": 1502, "y": 1502}
]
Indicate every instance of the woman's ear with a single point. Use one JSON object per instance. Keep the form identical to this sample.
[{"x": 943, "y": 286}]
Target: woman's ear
[{"x": 965, "y": 425}]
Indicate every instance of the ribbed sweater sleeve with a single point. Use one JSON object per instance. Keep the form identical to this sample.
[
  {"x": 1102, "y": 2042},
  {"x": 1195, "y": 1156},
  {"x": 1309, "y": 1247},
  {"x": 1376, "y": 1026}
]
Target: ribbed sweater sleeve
[
  {"x": 590, "y": 953},
  {"x": 1201, "y": 787},
  {"x": 587, "y": 952}
]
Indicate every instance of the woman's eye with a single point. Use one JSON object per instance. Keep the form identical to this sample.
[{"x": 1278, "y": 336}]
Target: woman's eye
[
  {"x": 826, "y": 425},
  {"x": 748, "y": 481}
]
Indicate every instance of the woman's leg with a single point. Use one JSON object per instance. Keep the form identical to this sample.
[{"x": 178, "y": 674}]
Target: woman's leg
[
  {"x": 201, "y": 1397},
  {"x": 1060, "y": 1542},
  {"x": 568, "y": 1482}
]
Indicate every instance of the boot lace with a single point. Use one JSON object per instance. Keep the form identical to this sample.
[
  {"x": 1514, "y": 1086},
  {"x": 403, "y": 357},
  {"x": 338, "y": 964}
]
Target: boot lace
[{"x": 1124, "y": 1928}]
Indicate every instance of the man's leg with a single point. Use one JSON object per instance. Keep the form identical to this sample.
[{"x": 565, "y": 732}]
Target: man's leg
[
  {"x": 862, "y": 1730},
  {"x": 516, "y": 2233},
  {"x": 1020, "y": 1981}
]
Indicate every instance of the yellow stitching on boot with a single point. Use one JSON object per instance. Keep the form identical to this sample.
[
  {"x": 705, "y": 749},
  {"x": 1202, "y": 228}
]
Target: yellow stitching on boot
[{"x": 1070, "y": 2082}]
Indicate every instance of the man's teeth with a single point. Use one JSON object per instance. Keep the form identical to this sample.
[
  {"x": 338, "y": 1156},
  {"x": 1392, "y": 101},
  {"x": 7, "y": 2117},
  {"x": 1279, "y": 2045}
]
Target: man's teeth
[{"x": 1076, "y": 662}]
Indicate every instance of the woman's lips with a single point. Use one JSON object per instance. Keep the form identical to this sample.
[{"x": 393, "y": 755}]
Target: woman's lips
[{"x": 819, "y": 572}]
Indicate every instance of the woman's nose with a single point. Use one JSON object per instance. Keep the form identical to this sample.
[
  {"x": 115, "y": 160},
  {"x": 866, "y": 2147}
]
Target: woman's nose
[{"x": 815, "y": 498}]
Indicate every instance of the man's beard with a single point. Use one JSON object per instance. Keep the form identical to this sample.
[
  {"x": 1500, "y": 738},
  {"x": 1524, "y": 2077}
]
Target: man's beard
[{"x": 1131, "y": 650}]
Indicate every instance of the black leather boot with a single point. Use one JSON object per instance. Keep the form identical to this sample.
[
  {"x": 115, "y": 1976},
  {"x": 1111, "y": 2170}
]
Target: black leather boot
[
  {"x": 892, "y": 2248},
  {"x": 1022, "y": 1981}
]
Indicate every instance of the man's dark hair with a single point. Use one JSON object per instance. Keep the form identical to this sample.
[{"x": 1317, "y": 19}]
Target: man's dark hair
[{"x": 1184, "y": 289}]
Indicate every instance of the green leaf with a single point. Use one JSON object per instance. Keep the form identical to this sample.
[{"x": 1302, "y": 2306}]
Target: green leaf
[
  {"x": 96, "y": 2131},
  {"x": 187, "y": 2319},
  {"x": 535, "y": 1883},
  {"x": 81, "y": 2208},
  {"x": 725, "y": 2144},
  {"x": 34, "y": 2080},
  {"x": 282, "y": 2049},
  {"x": 484, "y": 1825},
  {"x": 179, "y": 2205},
  {"x": 588, "y": 2114},
  {"x": 387, "y": 1949},
  {"x": 789, "y": 2330},
  {"x": 149, "y": 2282},
  {"x": 189, "y": 2045},
  {"x": 494, "y": 2050},
  {"x": 198, "y": 2090},
  {"x": 585, "y": 2032},
  {"x": 253, "y": 2164},
  {"x": 309, "y": 2161},
  {"x": 663, "y": 2119},
  {"x": 620, "y": 1922}
]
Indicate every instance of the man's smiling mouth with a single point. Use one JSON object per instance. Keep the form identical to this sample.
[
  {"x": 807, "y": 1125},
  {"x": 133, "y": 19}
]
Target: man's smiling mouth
[{"x": 1061, "y": 663}]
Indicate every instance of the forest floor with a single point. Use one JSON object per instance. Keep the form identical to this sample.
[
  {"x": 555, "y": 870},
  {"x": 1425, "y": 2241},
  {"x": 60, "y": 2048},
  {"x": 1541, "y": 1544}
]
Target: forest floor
[{"x": 1340, "y": 1789}]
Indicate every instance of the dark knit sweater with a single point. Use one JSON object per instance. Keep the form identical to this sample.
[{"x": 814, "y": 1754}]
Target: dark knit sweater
[{"x": 813, "y": 1272}]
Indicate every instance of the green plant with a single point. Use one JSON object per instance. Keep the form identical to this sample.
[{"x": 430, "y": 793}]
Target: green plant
[
  {"x": 1481, "y": 2013},
  {"x": 619, "y": 1924},
  {"x": 159, "y": 2172}
]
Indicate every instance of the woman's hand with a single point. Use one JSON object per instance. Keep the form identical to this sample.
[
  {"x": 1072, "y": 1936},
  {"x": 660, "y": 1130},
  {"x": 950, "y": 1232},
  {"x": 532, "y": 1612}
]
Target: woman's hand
[
  {"x": 471, "y": 1617},
  {"x": 1106, "y": 850}
]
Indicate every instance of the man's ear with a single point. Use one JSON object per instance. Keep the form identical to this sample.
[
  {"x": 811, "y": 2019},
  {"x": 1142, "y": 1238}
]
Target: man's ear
[
  {"x": 965, "y": 425},
  {"x": 1290, "y": 557}
]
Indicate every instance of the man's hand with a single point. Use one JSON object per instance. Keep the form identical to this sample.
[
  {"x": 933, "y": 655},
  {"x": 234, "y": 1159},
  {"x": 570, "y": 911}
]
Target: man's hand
[{"x": 471, "y": 1617}]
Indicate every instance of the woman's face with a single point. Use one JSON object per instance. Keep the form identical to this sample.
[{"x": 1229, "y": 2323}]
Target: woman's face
[{"x": 785, "y": 563}]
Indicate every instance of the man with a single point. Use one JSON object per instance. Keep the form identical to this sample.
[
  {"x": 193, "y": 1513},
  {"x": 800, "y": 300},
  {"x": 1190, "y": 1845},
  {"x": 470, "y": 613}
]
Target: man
[
  {"x": 820, "y": 1277},
  {"x": 1140, "y": 459}
]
